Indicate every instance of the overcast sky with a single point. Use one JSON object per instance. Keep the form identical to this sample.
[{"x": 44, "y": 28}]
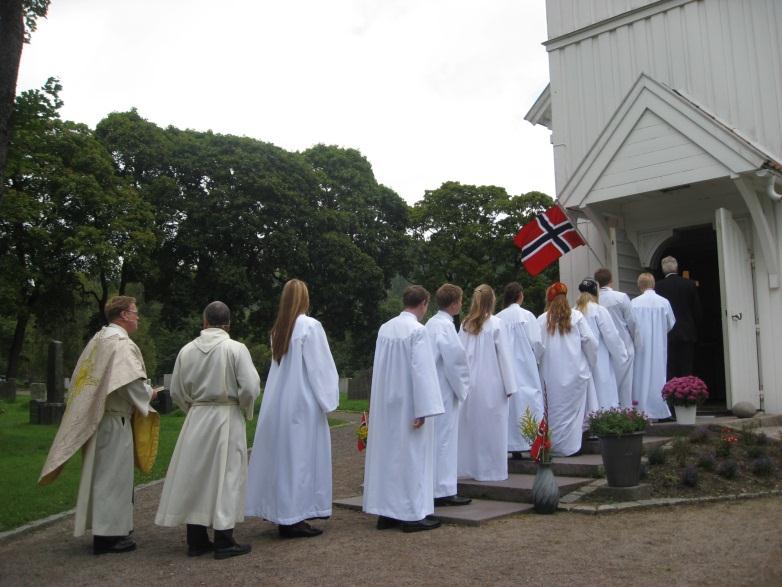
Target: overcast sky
[{"x": 428, "y": 90}]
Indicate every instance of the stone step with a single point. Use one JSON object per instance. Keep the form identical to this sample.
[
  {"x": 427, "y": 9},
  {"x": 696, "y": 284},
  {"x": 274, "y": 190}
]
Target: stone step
[
  {"x": 583, "y": 465},
  {"x": 759, "y": 420},
  {"x": 473, "y": 514},
  {"x": 650, "y": 441},
  {"x": 516, "y": 488}
]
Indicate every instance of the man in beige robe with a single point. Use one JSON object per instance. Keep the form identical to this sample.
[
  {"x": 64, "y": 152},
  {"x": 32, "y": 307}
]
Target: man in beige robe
[
  {"x": 108, "y": 384},
  {"x": 215, "y": 383}
]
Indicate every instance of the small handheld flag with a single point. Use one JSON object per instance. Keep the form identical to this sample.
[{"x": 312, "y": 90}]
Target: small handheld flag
[
  {"x": 545, "y": 238},
  {"x": 362, "y": 433}
]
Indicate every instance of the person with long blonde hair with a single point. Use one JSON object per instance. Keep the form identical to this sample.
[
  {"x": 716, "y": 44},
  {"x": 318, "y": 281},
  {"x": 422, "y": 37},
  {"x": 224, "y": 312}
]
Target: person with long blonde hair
[
  {"x": 483, "y": 425},
  {"x": 290, "y": 467},
  {"x": 569, "y": 353},
  {"x": 611, "y": 350}
]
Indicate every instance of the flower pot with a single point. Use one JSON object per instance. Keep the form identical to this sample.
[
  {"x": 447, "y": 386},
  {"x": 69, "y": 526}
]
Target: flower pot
[
  {"x": 622, "y": 458},
  {"x": 685, "y": 414},
  {"x": 545, "y": 491}
]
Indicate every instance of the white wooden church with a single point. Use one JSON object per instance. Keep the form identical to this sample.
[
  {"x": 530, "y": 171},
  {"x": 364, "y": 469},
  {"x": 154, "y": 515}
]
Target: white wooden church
[{"x": 666, "y": 122}]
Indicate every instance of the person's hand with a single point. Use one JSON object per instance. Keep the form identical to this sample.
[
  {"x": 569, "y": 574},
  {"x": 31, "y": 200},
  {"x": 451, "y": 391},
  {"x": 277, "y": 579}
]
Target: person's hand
[
  {"x": 155, "y": 391},
  {"x": 418, "y": 422}
]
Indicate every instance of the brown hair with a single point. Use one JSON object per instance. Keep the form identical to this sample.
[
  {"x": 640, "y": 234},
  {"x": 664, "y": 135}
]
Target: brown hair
[
  {"x": 217, "y": 315},
  {"x": 447, "y": 294},
  {"x": 558, "y": 315},
  {"x": 294, "y": 301},
  {"x": 414, "y": 296},
  {"x": 116, "y": 305},
  {"x": 603, "y": 276},
  {"x": 481, "y": 309},
  {"x": 511, "y": 294}
]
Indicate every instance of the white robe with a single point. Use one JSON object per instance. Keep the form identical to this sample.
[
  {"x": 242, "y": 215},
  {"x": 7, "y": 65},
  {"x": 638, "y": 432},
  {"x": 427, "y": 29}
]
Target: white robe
[
  {"x": 107, "y": 462},
  {"x": 454, "y": 377},
  {"x": 610, "y": 349},
  {"x": 654, "y": 317},
  {"x": 215, "y": 383},
  {"x": 523, "y": 333},
  {"x": 483, "y": 424},
  {"x": 565, "y": 368},
  {"x": 618, "y": 305},
  {"x": 289, "y": 478},
  {"x": 399, "y": 472}
]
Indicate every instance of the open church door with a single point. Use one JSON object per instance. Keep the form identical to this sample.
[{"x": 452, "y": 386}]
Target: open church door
[{"x": 738, "y": 311}]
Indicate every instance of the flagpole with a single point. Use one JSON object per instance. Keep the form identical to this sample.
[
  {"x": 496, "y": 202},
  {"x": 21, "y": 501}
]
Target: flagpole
[{"x": 586, "y": 242}]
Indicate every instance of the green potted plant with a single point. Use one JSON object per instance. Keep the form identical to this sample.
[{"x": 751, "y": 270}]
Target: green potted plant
[
  {"x": 620, "y": 431},
  {"x": 686, "y": 394}
]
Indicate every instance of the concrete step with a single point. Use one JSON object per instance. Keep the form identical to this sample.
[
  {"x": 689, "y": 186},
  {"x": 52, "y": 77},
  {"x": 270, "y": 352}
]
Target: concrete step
[
  {"x": 583, "y": 465},
  {"x": 516, "y": 488},
  {"x": 473, "y": 514},
  {"x": 759, "y": 420}
]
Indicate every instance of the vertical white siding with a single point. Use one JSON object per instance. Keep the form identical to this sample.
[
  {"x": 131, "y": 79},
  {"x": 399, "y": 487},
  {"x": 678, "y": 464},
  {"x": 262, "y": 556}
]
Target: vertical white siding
[{"x": 726, "y": 55}]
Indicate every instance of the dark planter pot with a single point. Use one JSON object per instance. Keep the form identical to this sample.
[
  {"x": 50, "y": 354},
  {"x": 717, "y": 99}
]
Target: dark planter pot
[
  {"x": 622, "y": 458},
  {"x": 545, "y": 491}
]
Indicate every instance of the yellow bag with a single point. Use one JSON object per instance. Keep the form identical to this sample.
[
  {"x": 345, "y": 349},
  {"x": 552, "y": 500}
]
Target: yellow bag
[{"x": 146, "y": 435}]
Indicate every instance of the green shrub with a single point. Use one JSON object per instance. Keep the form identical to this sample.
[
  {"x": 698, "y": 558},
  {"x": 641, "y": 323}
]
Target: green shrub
[
  {"x": 728, "y": 469},
  {"x": 707, "y": 462},
  {"x": 700, "y": 435},
  {"x": 755, "y": 452},
  {"x": 680, "y": 450},
  {"x": 689, "y": 476},
  {"x": 762, "y": 467},
  {"x": 657, "y": 456}
]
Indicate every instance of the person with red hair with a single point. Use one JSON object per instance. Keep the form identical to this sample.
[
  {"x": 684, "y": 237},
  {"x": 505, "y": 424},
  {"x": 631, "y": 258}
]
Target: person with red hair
[{"x": 569, "y": 354}]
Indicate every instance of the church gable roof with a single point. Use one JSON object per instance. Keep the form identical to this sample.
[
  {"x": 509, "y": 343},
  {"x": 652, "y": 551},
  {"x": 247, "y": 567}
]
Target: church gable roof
[{"x": 658, "y": 139}]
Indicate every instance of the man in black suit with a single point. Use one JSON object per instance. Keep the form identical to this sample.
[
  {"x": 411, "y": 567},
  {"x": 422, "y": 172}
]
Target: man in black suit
[{"x": 683, "y": 296}]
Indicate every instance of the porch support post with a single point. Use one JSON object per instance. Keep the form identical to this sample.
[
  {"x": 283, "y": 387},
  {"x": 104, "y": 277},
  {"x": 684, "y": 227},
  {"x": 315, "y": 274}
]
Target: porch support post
[
  {"x": 601, "y": 226},
  {"x": 762, "y": 227}
]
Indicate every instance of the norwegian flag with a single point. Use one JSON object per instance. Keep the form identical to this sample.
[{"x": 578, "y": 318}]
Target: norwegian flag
[
  {"x": 545, "y": 238},
  {"x": 542, "y": 442}
]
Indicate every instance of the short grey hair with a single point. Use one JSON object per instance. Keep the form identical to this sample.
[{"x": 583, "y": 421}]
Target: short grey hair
[
  {"x": 217, "y": 314},
  {"x": 669, "y": 265}
]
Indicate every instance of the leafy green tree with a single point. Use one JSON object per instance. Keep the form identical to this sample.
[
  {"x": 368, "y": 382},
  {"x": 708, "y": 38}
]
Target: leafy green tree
[
  {"x": 464, "y": 236},
  {"x": 18, "y": 20}
]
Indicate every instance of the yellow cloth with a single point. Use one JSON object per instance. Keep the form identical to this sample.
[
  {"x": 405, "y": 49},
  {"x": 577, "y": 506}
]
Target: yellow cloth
[
  {"x": 146, "y": 435},
  {"x": 109, "y": 361}
]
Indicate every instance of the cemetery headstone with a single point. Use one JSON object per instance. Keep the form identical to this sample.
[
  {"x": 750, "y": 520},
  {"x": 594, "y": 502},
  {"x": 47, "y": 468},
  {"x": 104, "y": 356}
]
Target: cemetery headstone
[
  {"x": 360, "y": 386},
  {"x": 50, "y": 410},
  {"x": 38, "y": 391}
]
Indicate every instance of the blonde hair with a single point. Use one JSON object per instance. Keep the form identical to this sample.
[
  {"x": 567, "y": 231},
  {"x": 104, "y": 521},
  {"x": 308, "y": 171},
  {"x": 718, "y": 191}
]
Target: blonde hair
[
  {"x": 558, "y": 315},
  {"x": 583, "y": 301},
  {"x": 294, "y": 301},
  {"x": 481, "y": 309},
  {"x": 645, "y": 281}
]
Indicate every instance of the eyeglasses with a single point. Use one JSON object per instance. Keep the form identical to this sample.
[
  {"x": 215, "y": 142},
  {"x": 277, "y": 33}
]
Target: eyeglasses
[{"x": 132, "y": 312}]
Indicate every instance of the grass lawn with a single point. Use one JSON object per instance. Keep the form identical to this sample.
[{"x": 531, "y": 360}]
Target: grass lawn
[
  {"x": 352, "y": 405},
  {"x": 23, "y": 450}
]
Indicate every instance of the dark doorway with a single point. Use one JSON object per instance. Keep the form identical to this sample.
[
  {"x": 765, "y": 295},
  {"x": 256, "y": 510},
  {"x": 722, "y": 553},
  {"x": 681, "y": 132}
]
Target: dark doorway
[{"x": 695, "y": 249}]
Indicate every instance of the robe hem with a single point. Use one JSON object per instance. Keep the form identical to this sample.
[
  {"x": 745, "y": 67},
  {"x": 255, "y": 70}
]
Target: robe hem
[{"x": 292, "y": 520}]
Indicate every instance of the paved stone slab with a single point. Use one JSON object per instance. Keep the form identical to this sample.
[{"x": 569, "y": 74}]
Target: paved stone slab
[
  {"x": 474, "y": 514},
  {"x": 517, "y": 488},
  {"x": 583, "y": 465}
]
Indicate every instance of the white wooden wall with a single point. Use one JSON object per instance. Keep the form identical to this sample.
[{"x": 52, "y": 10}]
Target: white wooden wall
[{"x": 726, "y": 55}]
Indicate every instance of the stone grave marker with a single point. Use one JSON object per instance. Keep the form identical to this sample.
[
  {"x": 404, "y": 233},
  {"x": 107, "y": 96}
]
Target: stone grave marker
[
  {"x": 38, "y": 391},
  {"x": 359, "y": 386}
]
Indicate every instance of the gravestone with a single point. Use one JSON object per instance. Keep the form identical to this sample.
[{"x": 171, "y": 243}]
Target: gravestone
[
  {"x": 8, "y": 390},
  {"x": 359, "y": 387},
  {"x": 343, "y": 385},
  {"x": 38, "y": 391},
  {"x": 51, "y": 410},
  {"x": 167, "y": 381}
]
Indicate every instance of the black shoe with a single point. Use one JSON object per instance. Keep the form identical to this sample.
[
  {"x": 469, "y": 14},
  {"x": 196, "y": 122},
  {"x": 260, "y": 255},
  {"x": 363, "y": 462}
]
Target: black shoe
[
  {"x": 451, "y": 500},
  {"x": 384, "y": 523},
  {"x": 299, "y": 530},
  {"x": 122, "y": 545},
  {"x": 200, "y": 549},
  {"x": 233, "y": 550},
  {"x": 420, "y": 525},
  {"x": 516, "y": 455}
]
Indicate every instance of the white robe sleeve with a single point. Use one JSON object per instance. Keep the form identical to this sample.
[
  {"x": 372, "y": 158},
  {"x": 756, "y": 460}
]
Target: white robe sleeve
[
  {"x": 139, "y": 394},
  {"x": 505, "y": 359},
  {"x": 670, "y": 318},
  {"x": 320, "y": 368},
  {"x": 178, "y": 395},
  {"x": 616, "y": 348},
  {"x": 454, "y": 363},
  {"x": 532, "y": 328},
  {"x": 427, "y": 400},
  {"x": 589, "y": 344},
  {"x": 248, "y": 380}
]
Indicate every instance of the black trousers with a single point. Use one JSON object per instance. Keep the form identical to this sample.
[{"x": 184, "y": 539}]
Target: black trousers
[
  {"x": 680, "y": 358},
  {"x": 197, "y": 536}
]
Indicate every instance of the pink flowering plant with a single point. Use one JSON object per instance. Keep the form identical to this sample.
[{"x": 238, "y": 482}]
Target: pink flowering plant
[
  {"x": 685, "y": 391},
  {"x": 617, "y": 421}
]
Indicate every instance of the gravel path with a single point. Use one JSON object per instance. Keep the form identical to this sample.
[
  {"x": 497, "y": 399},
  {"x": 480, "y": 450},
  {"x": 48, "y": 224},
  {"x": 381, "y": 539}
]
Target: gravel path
[{"x": 736, "y": 543}]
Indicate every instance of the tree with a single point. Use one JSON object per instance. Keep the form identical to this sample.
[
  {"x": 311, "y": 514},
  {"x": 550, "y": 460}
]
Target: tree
[
  {"x": 464, "y": 236},
  {"x": 17, "y": 22},
  {"x": 67, "y": 221}
]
